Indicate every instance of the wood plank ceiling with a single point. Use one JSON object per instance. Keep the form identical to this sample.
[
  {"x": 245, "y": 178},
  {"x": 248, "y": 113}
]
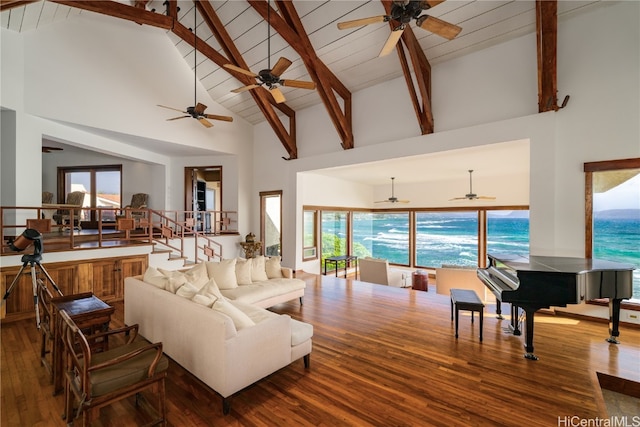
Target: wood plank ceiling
[{"x": 340, "y": 62}]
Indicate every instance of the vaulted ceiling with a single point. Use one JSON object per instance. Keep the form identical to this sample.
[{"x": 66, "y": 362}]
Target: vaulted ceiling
[{"x": 340, "y": 62}]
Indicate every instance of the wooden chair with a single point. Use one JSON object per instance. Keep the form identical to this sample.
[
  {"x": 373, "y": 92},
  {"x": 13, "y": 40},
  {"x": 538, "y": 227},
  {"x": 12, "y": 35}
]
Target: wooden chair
[
  {"x": 75, "y": 198},
  {"x": 46, "y": 326},
  {"x": 94, "y": 380}
]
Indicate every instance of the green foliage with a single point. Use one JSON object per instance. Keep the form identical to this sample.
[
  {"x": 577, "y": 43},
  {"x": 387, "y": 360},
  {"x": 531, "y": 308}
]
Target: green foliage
[{"x": 333, "y": 245}]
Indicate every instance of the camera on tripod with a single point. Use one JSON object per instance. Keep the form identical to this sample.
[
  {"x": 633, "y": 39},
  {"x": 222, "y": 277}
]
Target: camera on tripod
[{"x": 30, "y": 237}]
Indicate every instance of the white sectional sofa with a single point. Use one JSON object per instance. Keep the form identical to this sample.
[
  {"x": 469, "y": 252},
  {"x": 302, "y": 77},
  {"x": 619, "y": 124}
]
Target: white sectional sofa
[{"x": 222, "y": 336}]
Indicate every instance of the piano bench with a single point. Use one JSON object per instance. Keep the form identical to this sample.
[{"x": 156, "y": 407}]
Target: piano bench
[{"x": 466, "y": 299}]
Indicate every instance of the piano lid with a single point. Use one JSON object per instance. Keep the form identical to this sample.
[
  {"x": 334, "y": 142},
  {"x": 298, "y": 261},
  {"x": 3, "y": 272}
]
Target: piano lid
[{"x": 559, "y": 264}]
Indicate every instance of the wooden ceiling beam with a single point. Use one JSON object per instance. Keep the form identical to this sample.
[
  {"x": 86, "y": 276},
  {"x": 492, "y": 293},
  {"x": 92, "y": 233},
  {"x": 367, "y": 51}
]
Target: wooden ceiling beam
[
  {"x": 263, "y": 99},
  {"x": 10, "y": 4},
  {"x": 547, "y": 41},
  {"x": 422, "y": 73},
  {"x": 122, "y": 11},
  {"x": 289, "y": 26}
]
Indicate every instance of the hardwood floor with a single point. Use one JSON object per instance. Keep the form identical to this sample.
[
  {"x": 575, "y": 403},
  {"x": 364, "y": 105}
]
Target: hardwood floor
[{"x": 381, "y": 356}]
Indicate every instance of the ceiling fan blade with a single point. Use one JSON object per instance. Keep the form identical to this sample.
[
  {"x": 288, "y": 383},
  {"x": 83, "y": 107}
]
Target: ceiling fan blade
[
  {"x": 216, "y": 117},
  {"x": 438, "y": 26},
  {"x": 431, "y": 3},
  {"x": 179, "y": 117},
  {"x": 171, "y": 108},
  {"x": 281, "y": 66},
  {"x": 361, "y": 22},
  {"x": 245, "y": 88},
  {"x": 382, "y": 201},
  {"x": 392, "y": 41},
  {"x": 199, "y": 109},
  {"x": 277, "y": 94},
  {"x": 299, "y": 84},
  {"x": 403, "y": 201},
  {"x": 486, "y": 197},
  {"x": 458, "y": 198},
  {"x": 206, "y": 123},
  {"x": 240, "y": 70}
]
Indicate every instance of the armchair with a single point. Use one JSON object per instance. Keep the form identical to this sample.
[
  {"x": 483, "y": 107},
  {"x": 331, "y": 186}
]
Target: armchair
[
  {"x": 98, "y": 379},
  {"x": 138, "y": 201},
  {"x": 75, "y": 198},
  {"x": 375, "y": 270}
]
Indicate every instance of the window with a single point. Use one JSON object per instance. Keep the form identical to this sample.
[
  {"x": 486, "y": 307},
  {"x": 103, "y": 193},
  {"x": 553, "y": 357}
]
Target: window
[
  {"x": 382, "y": 235},
  {"x": 612, "y": 214},
  {"x": 446, "y": 238},
  {"x": 508, "y": 232},
  {"x": 310, "y": 235},
  {"x": 271, "y": 222},
  {"x": 334, "y": 235},
  {"x": 103, "y": 184}
]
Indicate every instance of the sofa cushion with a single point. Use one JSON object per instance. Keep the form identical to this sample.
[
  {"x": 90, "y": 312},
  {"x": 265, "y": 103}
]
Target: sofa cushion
[
  {"x": 300, "y": 332},
  {"x": 205, "y": 300},
  {"x": 273, "y": 267},
  {"x": 243, "y": 271},
  {"x": 256, "y": 314},
  {"x": 240, "y": 320},
  {"x": 197, "y": 275},
  {"x": 168, "y": 282},
  {"x": 188, "y": 290},
  {"x": 258, "y": 272},
  {"x": 260, "y": 291},
  {"x": 224, "y": 273},
  {"x": 211, "y": 290}
]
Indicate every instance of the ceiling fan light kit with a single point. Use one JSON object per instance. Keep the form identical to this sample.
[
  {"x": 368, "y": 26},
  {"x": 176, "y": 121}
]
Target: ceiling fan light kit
[
  {"x": 197, "y": 110},
  {"x": 270, "y": 77},
  {"x": 403, "y": 12}
]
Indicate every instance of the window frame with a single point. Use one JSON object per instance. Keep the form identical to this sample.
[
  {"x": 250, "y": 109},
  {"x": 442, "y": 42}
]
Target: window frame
[{"x": 589, "y": 169}]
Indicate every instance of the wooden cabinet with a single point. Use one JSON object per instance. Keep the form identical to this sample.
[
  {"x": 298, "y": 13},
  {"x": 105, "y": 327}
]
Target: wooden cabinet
[{"x": 104, "y": 277}]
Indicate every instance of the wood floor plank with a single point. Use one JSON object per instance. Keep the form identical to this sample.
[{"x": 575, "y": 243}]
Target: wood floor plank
[{"x": 381, "y": 356}]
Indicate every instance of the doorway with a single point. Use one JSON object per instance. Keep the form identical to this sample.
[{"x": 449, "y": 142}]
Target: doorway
[{"x": 203, "y": 194}]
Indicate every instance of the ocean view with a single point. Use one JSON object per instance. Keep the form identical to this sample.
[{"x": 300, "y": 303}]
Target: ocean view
[{"x": 451, "y": 238}]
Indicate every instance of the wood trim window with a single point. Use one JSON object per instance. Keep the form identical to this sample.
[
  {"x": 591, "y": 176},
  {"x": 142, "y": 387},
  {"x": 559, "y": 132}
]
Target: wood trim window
[
  {"x": 271, "y": 222},
  {"x": 310, "y": 235},
  {"x": 600, "y": 177}
]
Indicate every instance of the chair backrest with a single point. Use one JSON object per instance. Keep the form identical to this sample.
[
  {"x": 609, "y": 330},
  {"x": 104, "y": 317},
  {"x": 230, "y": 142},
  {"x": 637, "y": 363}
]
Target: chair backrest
[
  {"x": 47, "y": 197},
  {"x": 374, "y": 270},
  {"x": 75, "y": 198},
  {"x": 139, "y": 200}
]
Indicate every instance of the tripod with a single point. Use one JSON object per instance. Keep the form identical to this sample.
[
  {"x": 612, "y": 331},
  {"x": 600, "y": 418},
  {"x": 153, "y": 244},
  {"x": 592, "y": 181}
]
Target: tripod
[{"x": 32, "y": 260}]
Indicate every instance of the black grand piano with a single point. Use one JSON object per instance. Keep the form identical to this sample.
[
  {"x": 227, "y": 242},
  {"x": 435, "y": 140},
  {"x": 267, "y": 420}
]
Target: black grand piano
[{"x": 542, "y": 281}]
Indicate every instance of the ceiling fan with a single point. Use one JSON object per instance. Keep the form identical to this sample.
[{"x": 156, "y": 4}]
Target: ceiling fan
[
  {"x": 197, "y": 110},
  {"x": 393, "y": 198},
  {"x": 471, "y": 195},
  {"x": 404, "y": 11},
  {"x": 270, "y": 77},
  {"x": 47, "y": 149}
]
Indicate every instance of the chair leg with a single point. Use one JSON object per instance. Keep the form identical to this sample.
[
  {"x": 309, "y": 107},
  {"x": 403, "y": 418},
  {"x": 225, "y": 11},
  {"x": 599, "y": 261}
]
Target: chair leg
[
  {"x": 163, "y": 406},
  {"x": 307, "y": 360}
]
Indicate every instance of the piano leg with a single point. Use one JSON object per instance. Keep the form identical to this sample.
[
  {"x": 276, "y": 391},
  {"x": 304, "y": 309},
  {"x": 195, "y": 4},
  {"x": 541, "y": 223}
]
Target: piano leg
[
  {"x": 499, "y": 309},
  {"x": 529, "y": 334},
  {"x": 515, "y": 320},
  {"x": 614, "y": 320}
]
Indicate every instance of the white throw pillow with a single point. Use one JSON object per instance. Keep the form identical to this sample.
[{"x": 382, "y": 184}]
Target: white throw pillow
[
  {"x": 196, "y": 275},
  {"x": 243, "y": 271},
  {"x": 174, "y": 281},
  {"x": 155, "y": 278},
  {"x": 273, "y": 267},
  {"x": 188, "y": 290},
  {"x": 258, "y": 272},
  {"x": 211, "y": 290},
  {"x": 204, "y": 300},
  {"x": 240, "y": 320},
  {"x": 224, "y": 273}
]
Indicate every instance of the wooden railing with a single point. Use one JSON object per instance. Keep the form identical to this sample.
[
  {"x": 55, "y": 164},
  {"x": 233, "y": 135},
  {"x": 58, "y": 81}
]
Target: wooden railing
[{"x": 111, "y": 227}]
